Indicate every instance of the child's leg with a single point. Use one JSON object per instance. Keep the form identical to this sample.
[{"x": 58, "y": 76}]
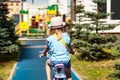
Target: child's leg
[
  {"x": 48, "y": 69},
  {"x": 68, "y": 73}
]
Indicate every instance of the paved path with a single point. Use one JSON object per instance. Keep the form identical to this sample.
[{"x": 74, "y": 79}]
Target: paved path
[{"x": 30, "y": 66}]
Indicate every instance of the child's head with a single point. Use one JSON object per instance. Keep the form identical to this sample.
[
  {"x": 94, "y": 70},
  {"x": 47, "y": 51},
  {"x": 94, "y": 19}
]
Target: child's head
[{"x": 56, "y": 23}]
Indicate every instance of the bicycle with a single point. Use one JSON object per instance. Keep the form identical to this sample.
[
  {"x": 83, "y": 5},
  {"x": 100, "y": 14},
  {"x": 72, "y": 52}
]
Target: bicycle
[{"x": 58, "y": 70}]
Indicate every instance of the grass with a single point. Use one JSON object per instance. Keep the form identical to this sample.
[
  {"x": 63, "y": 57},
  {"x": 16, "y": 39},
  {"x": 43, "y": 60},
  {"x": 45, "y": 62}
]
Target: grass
[
  {"x": 6, "y": 65},
  {"x": 86, "y": 70},
  {"x": 93, "y": 70},
  {"x": 5, "y": 69}
]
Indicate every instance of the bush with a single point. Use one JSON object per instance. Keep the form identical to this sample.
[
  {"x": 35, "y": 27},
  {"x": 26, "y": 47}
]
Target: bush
[
  {"x": 116, "y": 73},
  {"x": 117, "y": 66},
  {"x": 118, "y": 48},
  {"x": 1, "y": 78},
  {"x": 96, "y": 47},
  {"x": 112, "y": 53}
]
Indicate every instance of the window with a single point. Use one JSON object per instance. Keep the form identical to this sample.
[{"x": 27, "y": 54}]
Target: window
[
  {"x": 16, "y": 17},
  {"x": 115, "y": 8}
]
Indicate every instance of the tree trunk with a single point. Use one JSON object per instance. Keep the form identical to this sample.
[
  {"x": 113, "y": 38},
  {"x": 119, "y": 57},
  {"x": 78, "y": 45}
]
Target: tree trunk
[{"x": 73, "y": 5}]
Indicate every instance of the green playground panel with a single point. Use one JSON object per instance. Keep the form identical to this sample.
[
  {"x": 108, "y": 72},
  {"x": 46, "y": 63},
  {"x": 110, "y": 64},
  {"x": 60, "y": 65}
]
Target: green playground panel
[{"x": 36, "y": 31}]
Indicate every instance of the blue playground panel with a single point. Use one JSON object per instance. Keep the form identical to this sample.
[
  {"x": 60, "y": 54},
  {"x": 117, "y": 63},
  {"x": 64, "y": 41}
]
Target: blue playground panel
[{"x": 31, "y": 67}]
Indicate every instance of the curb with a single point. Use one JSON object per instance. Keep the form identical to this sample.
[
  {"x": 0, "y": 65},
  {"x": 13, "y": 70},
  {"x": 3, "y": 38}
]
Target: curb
[
  {"x": 31, "y": 39},
  {"x": 76, "y": 74},
  {"x": 12, "y": 72},
  {"x": 33, "y": 46}
]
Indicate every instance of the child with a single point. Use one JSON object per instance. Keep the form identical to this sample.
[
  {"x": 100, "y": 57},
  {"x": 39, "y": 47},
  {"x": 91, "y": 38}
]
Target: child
[{"x": 57, "y": 46}]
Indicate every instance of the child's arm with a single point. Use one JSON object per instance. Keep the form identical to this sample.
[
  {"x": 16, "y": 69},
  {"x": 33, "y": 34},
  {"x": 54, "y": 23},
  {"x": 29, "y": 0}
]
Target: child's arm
[{"x": 44, "y": 51}]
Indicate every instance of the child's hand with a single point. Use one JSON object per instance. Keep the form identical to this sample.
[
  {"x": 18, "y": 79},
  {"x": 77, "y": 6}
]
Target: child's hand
[
  {"x": 73, "y": 52},
  {"x": 41, "y": 55}
]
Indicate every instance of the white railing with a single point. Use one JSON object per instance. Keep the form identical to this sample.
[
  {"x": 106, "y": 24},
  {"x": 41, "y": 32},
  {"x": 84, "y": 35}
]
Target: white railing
[{"x": 17, "y": 27}]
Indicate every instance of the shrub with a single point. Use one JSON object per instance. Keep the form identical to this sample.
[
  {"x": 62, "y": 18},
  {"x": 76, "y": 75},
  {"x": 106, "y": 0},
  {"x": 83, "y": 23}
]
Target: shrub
[
  {"x": 96, "y": 47},
  {"x": 116, "y": 73},
  {"x": 112, "y": 53}
]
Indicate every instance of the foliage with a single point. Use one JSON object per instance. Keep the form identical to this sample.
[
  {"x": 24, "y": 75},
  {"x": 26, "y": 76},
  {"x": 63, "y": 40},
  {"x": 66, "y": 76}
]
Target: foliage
[
  {"x": 93, "y": 70},
  {"x": 86, "y": 39},
  {"x": 97, "y": 16},
  {"x": 8, "y": 39},
  {"x": 101, "y": 4},
  {"x": 79, "y": 11},
  {"x": 95, "y": 48},
  {"x": 118, "y": 49},
  {"x": 6, "y": 65},
  {"x": 116, "y": 74},
  {"x": 111, "y": 53}
]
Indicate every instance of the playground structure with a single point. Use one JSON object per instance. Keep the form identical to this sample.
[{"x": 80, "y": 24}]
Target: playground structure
[{"x": 37, "y": 25}]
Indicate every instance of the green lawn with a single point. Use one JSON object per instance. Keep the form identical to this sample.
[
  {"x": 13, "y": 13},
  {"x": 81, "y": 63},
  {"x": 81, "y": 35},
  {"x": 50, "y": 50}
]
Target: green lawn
[
  {"x": 93, "y": 70},
  {"x": 5, "y": 69},
  {"x": 86, "y": 70},
  {"x": 6, "y": 65}
]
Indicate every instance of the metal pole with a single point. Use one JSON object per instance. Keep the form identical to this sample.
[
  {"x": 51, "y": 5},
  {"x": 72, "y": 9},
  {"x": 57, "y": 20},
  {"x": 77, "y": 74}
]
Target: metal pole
[
  {"x": 21, "y": 9},
  {"x": 32, "y": 1}
]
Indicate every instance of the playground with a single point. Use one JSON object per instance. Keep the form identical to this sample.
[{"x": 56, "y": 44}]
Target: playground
[{"x": 37, "y": 24}]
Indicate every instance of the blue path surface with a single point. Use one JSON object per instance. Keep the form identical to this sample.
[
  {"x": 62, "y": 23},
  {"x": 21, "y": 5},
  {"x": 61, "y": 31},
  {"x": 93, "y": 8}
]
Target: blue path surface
[{"x": 30, "y": 66}]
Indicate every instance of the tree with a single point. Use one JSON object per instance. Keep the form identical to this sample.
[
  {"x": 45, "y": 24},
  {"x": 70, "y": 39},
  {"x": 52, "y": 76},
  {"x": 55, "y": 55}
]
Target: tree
[
  {"x": 97, "y": 16},
  {"x": 86, "y": 38},
  {"x": 8, "y": 39}
]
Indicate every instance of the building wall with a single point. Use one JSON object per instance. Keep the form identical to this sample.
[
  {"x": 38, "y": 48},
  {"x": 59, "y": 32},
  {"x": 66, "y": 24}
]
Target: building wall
[
  {"x": 89, "y": 6},
  {"x": 37, "y": 1},
  {"x": 14, "y": 10},
  {"x": 33, "y": 9},
  {"x": 14, "y": 6}
]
